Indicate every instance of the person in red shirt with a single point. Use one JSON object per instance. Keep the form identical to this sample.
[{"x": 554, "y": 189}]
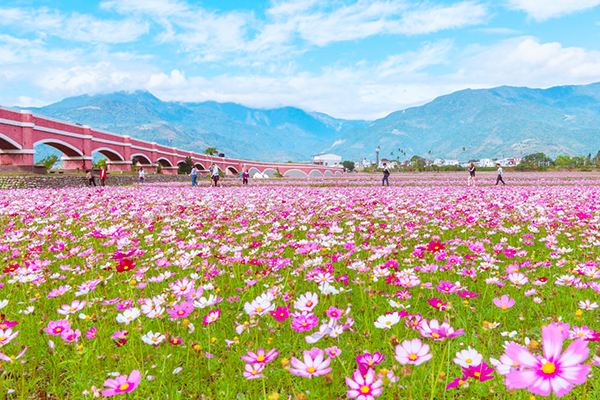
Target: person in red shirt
[{"x": 102, "y": 175}]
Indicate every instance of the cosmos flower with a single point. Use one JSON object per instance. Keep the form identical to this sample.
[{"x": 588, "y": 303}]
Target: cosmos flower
[
  {"x": 468, "y": 358},
  {"x": 306, "y": 302},
  {"x": 364, "y": 387},
  {"x": 281, "y": 313},
  {"x": 556, "y": 371},
  {"x": 370, "y": 360},
  {"x": 260, "y": 357},
  {"x": 253, "y": 371},
  {"x": 412, "y": 352},
  {"x": 434, "y": 330},
  {"x": 211, "y": 317},
  {"x": 122, "y": 384},
  {"x": 72, "y": 308},
  {"x": 504, "y": 302},
  {"x": 128, "y": 316},
  {"x": 6, "y": 335},
  {"x": 57, "y": 327},
  {"x": 313, "y": 364}
]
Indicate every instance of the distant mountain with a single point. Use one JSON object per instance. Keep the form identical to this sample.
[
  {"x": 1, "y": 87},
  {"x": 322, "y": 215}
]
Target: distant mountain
[
  {"x": 500, "y": 122},
  {"x": 284, "y": 134}
]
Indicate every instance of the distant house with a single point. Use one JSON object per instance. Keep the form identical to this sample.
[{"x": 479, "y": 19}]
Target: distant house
[
  {"x": 326, "y": 159},
  {"x": 442, "y": 163},
  {"x": 485, "y": 163}
]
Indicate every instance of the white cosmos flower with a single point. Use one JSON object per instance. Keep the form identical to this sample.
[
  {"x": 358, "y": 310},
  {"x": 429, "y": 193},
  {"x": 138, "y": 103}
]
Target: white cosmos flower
[
  {"x": 387, "y": 321},
  {"x": 128, "y": 315},
  {"x": 468, "y": 358},
  {"x": 153, "y": 338}
]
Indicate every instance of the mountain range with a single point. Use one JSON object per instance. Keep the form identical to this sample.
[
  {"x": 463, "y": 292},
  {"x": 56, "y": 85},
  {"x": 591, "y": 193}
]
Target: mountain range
[{"x": 468, "y": 124}]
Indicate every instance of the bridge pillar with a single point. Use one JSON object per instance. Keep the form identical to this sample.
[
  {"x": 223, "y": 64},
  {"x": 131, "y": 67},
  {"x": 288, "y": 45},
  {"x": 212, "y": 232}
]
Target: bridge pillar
[
  {"x": 119, "y": 166},
  {"x": 169, "y": 170},
  {"x": 24, "y": 155},
  {"x": 77, "y": 163}
]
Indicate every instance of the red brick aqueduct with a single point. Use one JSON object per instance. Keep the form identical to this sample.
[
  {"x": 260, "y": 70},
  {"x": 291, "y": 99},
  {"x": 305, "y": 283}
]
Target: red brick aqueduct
[{"x": 21, "y": 131}]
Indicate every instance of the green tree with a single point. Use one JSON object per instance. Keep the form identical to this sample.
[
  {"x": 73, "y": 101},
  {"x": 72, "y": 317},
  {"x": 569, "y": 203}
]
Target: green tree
[
  {"x": 101, "y": 163},
  {"x": 211, "y": 151},
  {"x": 537, "y": 160},
  {"x": 348, "y": 165},
  {"x": 48, "y": 162},
  {"x": 418, "y": 162},
  {"x": 185, "y": 167}
]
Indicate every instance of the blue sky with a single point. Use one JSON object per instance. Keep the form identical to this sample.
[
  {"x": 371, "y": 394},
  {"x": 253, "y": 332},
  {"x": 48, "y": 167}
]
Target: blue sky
[{"x": 348, "y": 58}]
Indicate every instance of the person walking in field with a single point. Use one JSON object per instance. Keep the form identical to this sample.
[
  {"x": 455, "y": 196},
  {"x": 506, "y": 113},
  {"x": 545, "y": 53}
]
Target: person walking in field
[
  {"x": 471, "y": 178},
  {"x": 245, "y": 176},
  {"x": 102, "y": 175},
  {"x": 386, "y": 175},
  {"x": 90, "y": 178},
  {"x": 499, "y": 178},
  {"x": 141, "y": 175},
  {"x": 194, "y": 175},
  {"x": 214, "y": 175}
]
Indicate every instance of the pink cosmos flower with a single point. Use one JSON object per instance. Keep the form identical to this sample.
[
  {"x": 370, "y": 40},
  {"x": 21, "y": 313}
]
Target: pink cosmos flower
[
  {"x": 91, "y": 333},
  {"x": 304, "y": 321},
  {"x": 333, "y": 352},
  {"x": 334, "y": 313},
  {"x": 370, "y": 360},
  {"x": 414, "y": 321},
  {"x": 306, "y": 302},
  {"x": 57, "y": 327},
  {"x": 58, "y": 291},
  {"x": 435, "y": 246},
  {"x": 504, "y": 302},
  {"x": 6, "y": 336},
  {"x": 434, "y": 330},
  {"x": 518, "y": 278},
  {"x": 180, "y": 310},
  {"x": 211, "y": 317},
  {"x": 468, "y": 295},
  {"x": 182, "y": 287},
  {"x": 260, "y": 357},
  {"x": 6, "y": 358},
  {"x": 124, "y": 305},
  {"x": 556, "y": 371},
  {"x": 71, "y": 335},
  {"x": 314, "y": 364},
  {"x": 438, "y": 304},
  {"x": 75, "y": 306},
  {"x": 253, "y": 371},
  {"x": 281, "y": 314},
  {"x": 412, "y": 352},
  {"x": 123, "y": 384},
  {"x": 364, "y": 388}
]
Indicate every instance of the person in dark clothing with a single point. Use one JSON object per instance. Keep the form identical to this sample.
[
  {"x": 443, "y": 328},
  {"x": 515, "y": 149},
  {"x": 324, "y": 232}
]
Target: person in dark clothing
[
  {"x": 471, "y": 179},
  {"x": 386, "y": 175},
  {"x": 245, "y": 176},
  {"x": 499, "y": 178},
  {"x": 90, "y": 177}
]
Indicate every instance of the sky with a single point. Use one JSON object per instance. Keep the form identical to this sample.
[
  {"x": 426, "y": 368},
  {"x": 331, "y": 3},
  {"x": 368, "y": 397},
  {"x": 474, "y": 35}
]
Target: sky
[{"x": 350, "y": 59}]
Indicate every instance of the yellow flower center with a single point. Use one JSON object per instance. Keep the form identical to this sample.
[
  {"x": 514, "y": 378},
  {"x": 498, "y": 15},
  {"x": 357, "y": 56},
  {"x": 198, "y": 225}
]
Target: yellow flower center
[
  {"x": 548, "y": 368},
  {"x": 477, "y": 374},
  {"x": 504, "y": 307},
  {"x": 259, "y": 309},
  {"x": 124, "y": 386},
  {"x": 2, "y": 339},
  {"x": 468, "y": 361},
  {"x": 388, "y": 323},
  {"x": 333, "y": 352},
  {"x": 260, "y": 358},
  {"x": 183, "y": 288},
  {"x": 309, "y": 303},
  {"x": 58, "y": 329},
  {"x": 180, "y": 313},
  {"x": 435, "y": 335},
  {"x": 439, "y": 304},
  {"x": 72, "y": 309},
  {"x": 311, "y": 370},
  {"x": 413, "y": 357},
  {"x": 365, "y": 389}
]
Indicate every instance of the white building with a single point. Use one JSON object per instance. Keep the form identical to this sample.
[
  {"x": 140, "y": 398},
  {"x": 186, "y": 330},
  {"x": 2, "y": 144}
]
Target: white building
[
  {"x": 326, "y": 159},
  {"x": 442, "y": 163},
  {"x": 485, "y": 163}
]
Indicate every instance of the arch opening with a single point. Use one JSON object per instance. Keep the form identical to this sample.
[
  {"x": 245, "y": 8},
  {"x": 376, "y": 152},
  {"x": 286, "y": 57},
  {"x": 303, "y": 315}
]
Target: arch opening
[
  {"x": 295, "y": 173},
  {"x": 140, "y": 159},
  {"x": 270, "y": 172},
  {"x": 231, "y": 171},
  {"x": 164, "y": 162},
  {"x": 7, "y": 143},
  {"x": 315, "y": 174},
  {"x": 65, "y": 148},
  {"x": 109, "y": 154},
  {"x": 328, "y": 174}
]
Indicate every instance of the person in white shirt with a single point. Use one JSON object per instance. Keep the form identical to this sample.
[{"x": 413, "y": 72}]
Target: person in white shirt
[
  {"x": 194, "y": 175},
  {"x": 141, "y": 175},
  {"x": 214, "y": 175},
  {"x": 499, "y": 178}
]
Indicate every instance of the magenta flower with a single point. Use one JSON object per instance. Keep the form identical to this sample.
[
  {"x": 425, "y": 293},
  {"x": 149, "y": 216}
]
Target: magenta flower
[
  {"x": 435, "y": 246},
  {"x": 260, "y": 357},
  {"x": 446, "y": 287},
  {"x": 412, "y": 352},
  {"x": 304, "y": 321},
  {"x": 57, "y": 327},
  {"x": 434, "y": 330},
  {"x": 504, "y": 302},
  {"x": 370, "y": 360},
  {"x": 71, "y": 335},
  {"x": 281, "y": 314},
  {"x": 123, "y": 384},
  {"x": 468, "y": 295},
  {"x": 211, "y": 317},
  {"x": 314, "y": 364},
  {"x": 364, "y": 388},
  {"x": 481, "y": 372},
  {"x": 555, "y": 371},
  {"x": 91, "y": 333},
  {"x": 180, "y": 310},
  {"x": 333, "y": 352},
  {"x": 438, "y": 304},
  {"x": 334, "y": 313}
]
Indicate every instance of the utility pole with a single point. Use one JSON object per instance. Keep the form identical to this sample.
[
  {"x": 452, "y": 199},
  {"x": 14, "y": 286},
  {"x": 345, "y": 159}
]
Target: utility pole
[{"x": 377, "y": 154}]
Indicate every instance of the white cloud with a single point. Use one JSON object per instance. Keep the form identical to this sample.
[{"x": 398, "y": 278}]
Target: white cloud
[
  {"x": 542, "y": 10},
  {"x": 24, "y": 101},
  {"x": 75, "y": 27}
]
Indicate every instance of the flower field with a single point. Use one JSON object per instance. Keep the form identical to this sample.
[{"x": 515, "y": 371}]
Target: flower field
[{"x": 282, "y": 291}]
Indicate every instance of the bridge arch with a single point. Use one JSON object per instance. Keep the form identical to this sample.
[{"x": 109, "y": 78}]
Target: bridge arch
[
  {"x": 315, "y": 173},
  {"x": 111, "y": 154},
  {"x": 253, "y": 171},
  {"x": 231, "y": 170},
  {"x": 7, "y": 143},
  {"x": 164, "y": 162},
  {"x": 270, "y": 172},
  {"x": 295, "y": 173},
  {"x": 67, "y": 149},
  {"x": 141, "y": 159},
  {"x": 338, "y": 173},
  {"x": 328, "y": 174}
]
